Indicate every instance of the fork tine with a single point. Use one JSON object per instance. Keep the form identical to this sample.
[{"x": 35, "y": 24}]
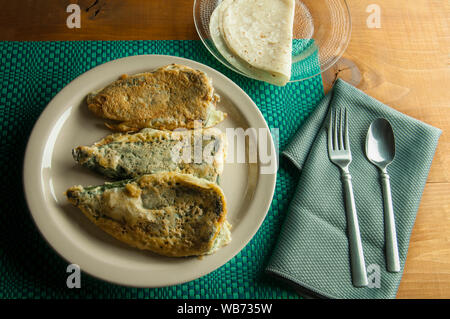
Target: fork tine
[
  {"x": 330, "y": 129},
  {"x": 341, "y": 128},
  {"x": 335, "y": 131},
  {"x": 347, "y": 142}
]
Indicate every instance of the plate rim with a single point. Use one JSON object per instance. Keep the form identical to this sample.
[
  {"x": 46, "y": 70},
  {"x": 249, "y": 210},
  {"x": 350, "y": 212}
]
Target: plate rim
[{"x": 35, "y": 199}]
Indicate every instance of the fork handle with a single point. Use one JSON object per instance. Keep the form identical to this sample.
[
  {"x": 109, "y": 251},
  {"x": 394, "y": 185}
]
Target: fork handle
[
  {"x": 392, "y": 257},
  {"x": 359, "y": 275}
]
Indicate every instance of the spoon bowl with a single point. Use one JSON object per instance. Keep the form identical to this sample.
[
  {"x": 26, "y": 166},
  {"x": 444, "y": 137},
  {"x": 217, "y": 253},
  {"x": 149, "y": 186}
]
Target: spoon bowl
[{"x": 380, "y": 143}]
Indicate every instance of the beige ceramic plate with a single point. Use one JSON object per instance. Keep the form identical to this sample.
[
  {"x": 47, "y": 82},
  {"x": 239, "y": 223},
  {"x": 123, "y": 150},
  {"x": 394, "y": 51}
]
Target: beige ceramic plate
[{"x": 49, "y": 170}]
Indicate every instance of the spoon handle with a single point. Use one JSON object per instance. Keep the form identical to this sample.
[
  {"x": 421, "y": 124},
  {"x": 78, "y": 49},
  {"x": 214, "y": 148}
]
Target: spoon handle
[{"x": 392, "y": 258}]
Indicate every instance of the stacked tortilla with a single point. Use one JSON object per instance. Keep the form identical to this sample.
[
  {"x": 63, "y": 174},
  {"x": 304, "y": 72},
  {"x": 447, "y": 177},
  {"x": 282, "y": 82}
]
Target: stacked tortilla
[{"x": 255, "y": 36}]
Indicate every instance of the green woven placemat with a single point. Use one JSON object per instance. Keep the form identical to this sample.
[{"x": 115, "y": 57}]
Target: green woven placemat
[{"x": 31, "y": 74}]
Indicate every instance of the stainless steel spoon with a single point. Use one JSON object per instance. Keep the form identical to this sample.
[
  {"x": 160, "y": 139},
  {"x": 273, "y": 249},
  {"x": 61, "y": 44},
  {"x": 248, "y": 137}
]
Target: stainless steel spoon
[{"x": 380, "y": 150}]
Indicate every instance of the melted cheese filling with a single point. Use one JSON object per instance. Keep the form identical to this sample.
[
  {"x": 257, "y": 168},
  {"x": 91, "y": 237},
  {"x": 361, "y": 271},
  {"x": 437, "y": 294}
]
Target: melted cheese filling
[{"x": 121, "y": 206}]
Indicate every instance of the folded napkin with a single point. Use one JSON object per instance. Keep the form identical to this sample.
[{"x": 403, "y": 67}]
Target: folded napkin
[{"x": 312, "y": 251}]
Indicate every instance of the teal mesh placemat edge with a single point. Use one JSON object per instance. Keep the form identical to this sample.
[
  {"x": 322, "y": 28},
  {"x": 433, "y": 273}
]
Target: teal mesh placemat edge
[{"x": 31, "y": 74}]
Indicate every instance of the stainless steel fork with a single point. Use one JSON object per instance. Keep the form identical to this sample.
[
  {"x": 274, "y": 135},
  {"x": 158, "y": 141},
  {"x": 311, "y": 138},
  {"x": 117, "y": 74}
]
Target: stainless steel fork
[{"x": 340, "y": 155}]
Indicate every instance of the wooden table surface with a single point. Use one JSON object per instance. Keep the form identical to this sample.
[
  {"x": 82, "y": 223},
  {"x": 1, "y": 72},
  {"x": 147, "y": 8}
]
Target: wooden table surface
[{"x": 404, "y": 63}]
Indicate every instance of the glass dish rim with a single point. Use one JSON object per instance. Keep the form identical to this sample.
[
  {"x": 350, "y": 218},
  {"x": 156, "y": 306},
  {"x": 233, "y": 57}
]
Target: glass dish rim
[{"x": 333, "y": 61}]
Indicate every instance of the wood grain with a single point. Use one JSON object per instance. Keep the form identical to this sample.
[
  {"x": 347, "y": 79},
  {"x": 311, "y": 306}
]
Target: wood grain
[
  {"x": 427, "y": 268},
  {"x": 100, "y": 20},
  {"x": 404, "y": 64}
]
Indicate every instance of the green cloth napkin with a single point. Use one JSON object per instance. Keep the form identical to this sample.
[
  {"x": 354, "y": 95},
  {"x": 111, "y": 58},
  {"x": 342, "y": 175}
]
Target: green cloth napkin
[{"x": 312, "y": 251}]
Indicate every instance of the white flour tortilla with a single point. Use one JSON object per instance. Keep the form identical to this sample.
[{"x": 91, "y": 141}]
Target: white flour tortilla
[
  {"x": 233, "y": 59},
  {"x": 260, "y": 33}
]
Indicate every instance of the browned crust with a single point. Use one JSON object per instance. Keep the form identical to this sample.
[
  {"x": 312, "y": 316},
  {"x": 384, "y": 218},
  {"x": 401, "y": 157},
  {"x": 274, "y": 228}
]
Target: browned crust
[
  {"x": 136, "y": 236},
  {"x": 170, "y": 97},
  {"x": 148, "y": 135}
]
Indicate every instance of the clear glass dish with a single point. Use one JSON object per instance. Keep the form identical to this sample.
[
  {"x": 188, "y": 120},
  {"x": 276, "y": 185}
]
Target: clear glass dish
[{"x": 321, "y": 32}]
